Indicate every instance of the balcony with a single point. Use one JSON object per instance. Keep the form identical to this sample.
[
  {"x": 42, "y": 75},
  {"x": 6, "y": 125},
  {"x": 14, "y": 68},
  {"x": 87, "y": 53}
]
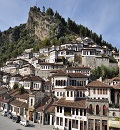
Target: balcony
[{"x": 67, "y": 114}]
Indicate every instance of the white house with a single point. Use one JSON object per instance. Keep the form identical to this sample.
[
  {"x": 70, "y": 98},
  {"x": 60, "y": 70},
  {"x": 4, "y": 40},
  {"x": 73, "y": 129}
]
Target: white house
[
  {"x": 79, "y": 69},
  {"x": 14, "y": 79},
  {"x": 70, "y": 111},
  {"x": 32, "y": 83},
  {"x": 99, "y": 90},
  {"x": 61, "y": 80}
]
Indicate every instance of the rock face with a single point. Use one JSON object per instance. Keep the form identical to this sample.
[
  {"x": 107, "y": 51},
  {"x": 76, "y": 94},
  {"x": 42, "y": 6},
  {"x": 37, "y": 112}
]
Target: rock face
[{"x": 42, "y": 25}]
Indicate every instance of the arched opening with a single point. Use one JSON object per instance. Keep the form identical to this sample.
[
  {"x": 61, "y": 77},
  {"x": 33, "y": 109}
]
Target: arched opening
[
  {"x": 90, "y": 109},
  {"x": 104, "y": 110},
  {"x": 97, "y": 110}
]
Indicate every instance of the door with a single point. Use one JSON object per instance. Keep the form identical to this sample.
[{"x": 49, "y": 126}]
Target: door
[
  {"x": 30, "y": 116},
  {"x": 70, "y": 125}
]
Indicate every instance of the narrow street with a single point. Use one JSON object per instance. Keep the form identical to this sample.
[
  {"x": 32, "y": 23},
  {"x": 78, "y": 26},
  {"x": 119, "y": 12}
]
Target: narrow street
[{"x": 8, "y": 124}]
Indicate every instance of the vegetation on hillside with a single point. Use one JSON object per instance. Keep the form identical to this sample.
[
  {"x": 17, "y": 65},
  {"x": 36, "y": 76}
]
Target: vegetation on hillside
[
  {"x": 15, "y": 40},
  {"x": 105, "y": 72}
]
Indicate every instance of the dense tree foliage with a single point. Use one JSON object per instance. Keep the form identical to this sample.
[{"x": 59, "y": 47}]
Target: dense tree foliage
[
  {"x": 15, "y": 86},
  {"x": 105, "y": 72},
  {"x": 21, "y": 90},
  {"x": 50, "y": 12}
]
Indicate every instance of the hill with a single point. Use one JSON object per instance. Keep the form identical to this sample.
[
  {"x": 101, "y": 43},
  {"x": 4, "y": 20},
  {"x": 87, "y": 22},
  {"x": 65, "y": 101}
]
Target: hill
[{"x": 43, "y": 28}]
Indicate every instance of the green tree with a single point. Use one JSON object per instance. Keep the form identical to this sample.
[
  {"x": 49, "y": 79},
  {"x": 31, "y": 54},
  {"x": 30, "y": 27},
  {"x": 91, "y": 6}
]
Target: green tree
[
  {"x": 15, "y": 86},
  {"x": 21, "y": 90},
  {"x": 50, "y": 12},
  {"x": 43, "y": 9},
  {"x": 46, "y": 42}
]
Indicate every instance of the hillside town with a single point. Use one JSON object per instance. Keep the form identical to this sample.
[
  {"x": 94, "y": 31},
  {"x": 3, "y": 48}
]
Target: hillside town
[{"x": 54, "y": 87}]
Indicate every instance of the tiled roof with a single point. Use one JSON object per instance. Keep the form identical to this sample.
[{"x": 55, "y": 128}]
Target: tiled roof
[
  {"x": 97, "y": 84},
  {"x": 75, "y": 88},
  {"x": 22, "y": 96},
  {"x": 60, "y": 73},
  {"x": 48, "y": 83},
  {"x": 17, "y": 75},
  {"x": 53, "y": 64},
  {"x": 13, "y": 91},
  {"x": 53, "y": 71},
  {"x": 42, "y": 104},
  {"x": 79, "y": 103},
  {"x": 115, "y": 79},
  {"x": 32, "y": 78},
  {"x": 79, "y": 67},
  {"x": 77, "y": 75},
  {"x": 18, "y": 103},
  {"x": 3, "y": 90},
  {"x": 116, "y": 86},
  {"x": 73, "y": 75},
  {"x": 5, "y": 100},
  {"x": 50, "y": 109}
]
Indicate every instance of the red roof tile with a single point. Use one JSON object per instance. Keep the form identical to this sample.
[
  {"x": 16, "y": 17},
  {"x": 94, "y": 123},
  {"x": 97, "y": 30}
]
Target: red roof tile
[
  {"x": 116, "y": 86},
  {"x": 18, "y": 103},
  {"x": 78, "y": 67},
  {"x": 97, "y": 84},
  {"x": 79, "y": 103},
  {"x": 75, "y": 88},
  {"x": 32, "y": 78}
]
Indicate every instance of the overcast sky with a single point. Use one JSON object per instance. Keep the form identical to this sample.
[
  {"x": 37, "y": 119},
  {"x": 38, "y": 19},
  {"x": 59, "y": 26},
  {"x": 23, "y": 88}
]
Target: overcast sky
[{"x": 100, "y": 16}]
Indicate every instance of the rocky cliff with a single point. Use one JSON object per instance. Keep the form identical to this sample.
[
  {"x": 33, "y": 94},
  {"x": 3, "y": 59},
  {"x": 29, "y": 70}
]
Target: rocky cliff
[{"x": 42, "y": 25}]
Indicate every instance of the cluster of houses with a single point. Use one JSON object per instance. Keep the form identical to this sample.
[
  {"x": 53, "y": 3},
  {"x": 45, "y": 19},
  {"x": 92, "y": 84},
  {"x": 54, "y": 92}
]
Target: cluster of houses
[{"x": 59, "y": 95}]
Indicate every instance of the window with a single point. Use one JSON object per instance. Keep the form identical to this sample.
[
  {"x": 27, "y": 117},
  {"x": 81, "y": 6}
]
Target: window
[
  {"x": 90, "y": 109},
  {"x": 61, "y": 121},
  {"x": 85, "y": 125},
  {"x": 94, "y": 91},
  {"x": 80, "y": 93},
  {"x": 75, "y": 124},
  {"x": 56, "y": 82},
  {"x": 60, "y": 109},
  {"x": 84, "y": 112},
  {"x": 84, "y": 83},
  {"x": 66, "y": 122},
  {"x": 73, "y": 111},
  {"x": 71, "y": 93},
  {"x": 67, "y": 111},
  {"x": 81, "y": 125},
  {"x": 76, "y": 111},
  {"x": 97, "y": 124},
  {"x": 64, "y": 83},
  {"x": 80, "y": 112},
  {"x": 98, "y": 91},
  {"x": 57, "y": 109},
  {"x": 31, "y": 102},
  {"x": 67, "y": 93},
  {"x": 57, "y": 121},
  {"x": 104, "y": 110},
  {"x": 103, "y": 91},
  {"x": 60, "y": 93},
  {"x": 106, "y": 91},
  {"x": 97, "y": 110}
]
